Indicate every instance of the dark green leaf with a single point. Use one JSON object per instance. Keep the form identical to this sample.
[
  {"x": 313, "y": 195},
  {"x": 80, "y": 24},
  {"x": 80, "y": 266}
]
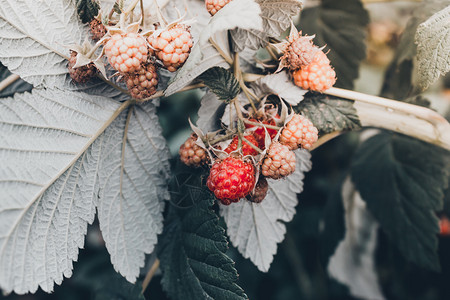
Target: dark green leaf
[
  {"x": 329, "y": 114},
  {"x": 402, "y": 180},
  {"x": 18, "y": 86},
  {"x": 87, "y": 10},
  {"x": 341, "y": 26},
  {"x": 221, "y": 82},
  {"x": 334, "y": 223},
  {"x": 192, "y": 253}
]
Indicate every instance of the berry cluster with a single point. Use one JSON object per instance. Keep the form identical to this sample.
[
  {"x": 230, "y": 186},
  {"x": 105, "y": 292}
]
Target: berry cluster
[
  {"x": 241, "y": 168},
  {"x": 135, "y": 54},
  {"x": 309, "y": 65}
]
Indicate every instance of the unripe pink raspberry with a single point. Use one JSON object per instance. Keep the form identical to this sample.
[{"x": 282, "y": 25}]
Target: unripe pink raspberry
[
  {"x": 299, "y": 131},
  {"x": 81, "y": 74},
  {"x": 126, "y": 52},
  {"x": 143, "y": 83},
  {"x": 317, "y": 76},
  {"x": 213, "y": 6},
  {"x": 192, "y": 154},
  {"x": 260, "y": 192},
  {"x": 172, "y": 46},
  {"x": 300, "y": 52},
  {"x": 279, "y": 161}
]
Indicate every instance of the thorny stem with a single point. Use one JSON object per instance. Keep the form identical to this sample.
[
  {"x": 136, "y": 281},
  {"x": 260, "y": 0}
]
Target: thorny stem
[
  {"x": 131, "y": 7},
  {"x": 271, "y": 53},
  {"x": 142, "y": 12},
  {"x": 159, "y": 94},
  {"x": 238, "y": 75},
  {"x": 8, "y": 80},
  {"x": 161, "y": 19},
  {"x": 262, "y": 125},
  {"x": 150, "y": 275},
  {"x": 222, "y": 138},
  {"x": 228, "y": 59}
]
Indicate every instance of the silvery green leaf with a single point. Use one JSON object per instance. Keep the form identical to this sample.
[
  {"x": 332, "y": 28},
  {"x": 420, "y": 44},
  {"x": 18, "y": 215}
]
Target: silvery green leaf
[
  {"x": 236, "y": 14},
  {"x": 202, "y": 58},
  {"x": 48, "y": 183},
  {"x": 208, "y": 119},
  {"x": 355, "y": 254},
  {"x": 243, "y": 14},
  {"x": 34, "y": 36},
  {"x": 276, "y": 16},
  {"x": 281, "y": 85},
  {"x": 256, "y": 229},
  {"x": 132, "y": 179},
  {"x": 433, "y": 48}
]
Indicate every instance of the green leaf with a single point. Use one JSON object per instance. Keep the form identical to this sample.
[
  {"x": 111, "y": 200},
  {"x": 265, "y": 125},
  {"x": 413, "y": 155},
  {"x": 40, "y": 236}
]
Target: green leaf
[
  {"x": 192, "y": 253},
  {"x": 87, "y": 10},
  {"x": 433, "y": 48},
  {"x": 221, "y": 82},
  {"x": 341, "y": 26},
  {"x": 334, "y": 223},
  {"x": 402, "y": 180},
  {"x": 329, "y": 114}
]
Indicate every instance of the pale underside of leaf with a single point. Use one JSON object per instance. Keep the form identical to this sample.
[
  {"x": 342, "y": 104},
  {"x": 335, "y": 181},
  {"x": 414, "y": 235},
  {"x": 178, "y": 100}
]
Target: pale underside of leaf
[
  {"x": 281, "y": 85},
  {"x": 276, "y": 17},
  {"x": 433, "y": 49},
  {"x": 133, "y": 186},
  {"x": 48, "y": 183},
  {"x": 355, "y": 254},
  {"x": 201, "y": 59},
  {"x": 237, "y": 14},
  {"x": 34, "y": 36},
  {"x": 207, "y": 113},
  {"x": 256, "y": 229}
]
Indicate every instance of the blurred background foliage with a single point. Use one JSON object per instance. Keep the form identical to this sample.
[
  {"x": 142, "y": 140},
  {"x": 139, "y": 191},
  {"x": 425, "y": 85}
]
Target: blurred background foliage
[{"x": 299, "y": 268}]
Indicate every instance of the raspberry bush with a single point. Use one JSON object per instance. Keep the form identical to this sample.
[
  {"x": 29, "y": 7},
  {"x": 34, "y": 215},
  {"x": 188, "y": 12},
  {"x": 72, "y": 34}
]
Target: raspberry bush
[{"x": 175, "y": 139}]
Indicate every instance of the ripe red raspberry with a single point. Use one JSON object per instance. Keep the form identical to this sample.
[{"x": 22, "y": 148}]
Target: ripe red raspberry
[
  {"x": 231, "y": 179},
  {"x": 172, "y": 46},
  {"x": 317, "y": 76},
  {"x": 81, "y": 74},
  {"x": 126, "y": 52},
  {"x": 300, "y": 51},
  {"x": 246, "y": 148},
  {"x": 299, "y": 131},
  {"x": 444, "y": 224},
  {"x": 260, "y": 191},
  {"x": 98, "y": 30},
  {"x": 192, "y": 154},
  {"x": 143, "y": 83},
  {"x": 213, "y": 6},
  {"x": 279, "y": 161},
  {"x": 260, "y": 133}
]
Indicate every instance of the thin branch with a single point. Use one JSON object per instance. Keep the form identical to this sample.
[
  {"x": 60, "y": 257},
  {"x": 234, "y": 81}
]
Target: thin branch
[
  {"x": 8, "y": 81},
  {"x": 150, "y": 275},
  {"x": 251, "y": 145},
  {"x": 142, "y": 12},
  {"x": 228, "y": 59},
  {"x": 160, "y": 94},
  {"x": 413, "y": 120},
  {"x": 131, "y": 7},
  {"x": 261, "y": 125}
]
